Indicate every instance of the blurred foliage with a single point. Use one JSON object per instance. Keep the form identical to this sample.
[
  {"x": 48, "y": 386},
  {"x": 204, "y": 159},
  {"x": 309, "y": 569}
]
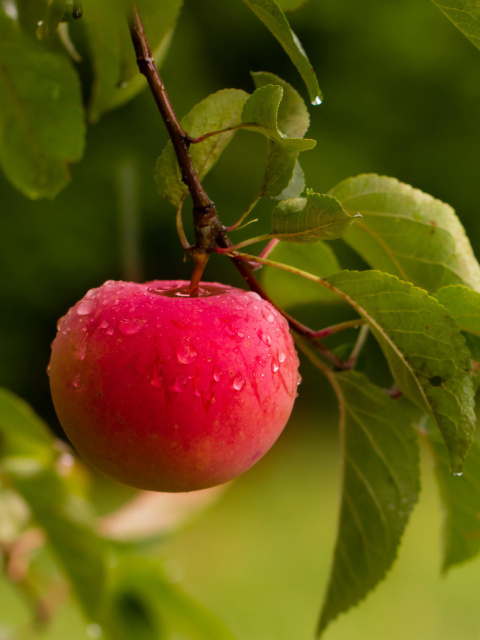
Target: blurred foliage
[{"x": 401, "y": 88}]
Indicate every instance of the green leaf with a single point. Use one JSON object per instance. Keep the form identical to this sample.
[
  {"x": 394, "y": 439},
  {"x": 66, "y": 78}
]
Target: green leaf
[
  {"x": 380, "y": 487},
  {"x": 407, "y": 233},
  {"x": 32, "y": 467},
  {"x": 269, "y": 12},
  {"x": 461, "y": 501},
  {"x": 283, "y": 286},
  {"x": 465, "y": 15},
  {"x": 218, "y": 111},
  {"x": 424, "y": 348},
  {"x": 42, "y": 126},
  {"x": 282, "y": 171},
  {"x": 290, "y": 5},
  {"x": 144, "y": 605},
  {"x": 463, "y": 305},
  {"x": 117, "y": 78},
  {"x": 309, "y": 219},
  {"x": 261, "y": 113}
]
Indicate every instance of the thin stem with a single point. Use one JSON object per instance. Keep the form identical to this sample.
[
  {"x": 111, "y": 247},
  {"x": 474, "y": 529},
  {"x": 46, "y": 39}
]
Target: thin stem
[
  {"x": 206, "y": 222},
  {"x": 235, "y": 127},
  {"x": 244, "y": 243},
  {"x": 244, "y": 215},
  {"x": 269, "y": 248},
  {"x": 180, "y": 230},
  {"x": 362, "y": 338},
  {"x": 341, "y": 326}
]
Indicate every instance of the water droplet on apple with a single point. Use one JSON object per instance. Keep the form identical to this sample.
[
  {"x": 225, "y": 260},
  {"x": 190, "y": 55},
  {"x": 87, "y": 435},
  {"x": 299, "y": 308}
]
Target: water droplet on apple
[
  {"x": 217, "y": 374},
  {"x": 268, "y": 315},
  {"x": 131, "y": 326},
  {"x": 76, "y": 381},
  {"x": 104, "y": 325},
  {"x": 281, "y": 357},
  {"x": 86, "y": 307},
  {"x": 238, "y": 382},
  {"x": 196, "y": 387},
  {"x": 179, "y": 384},
  {"x": 110, "y": 331},
  {"x": 261, "y": 361},
  {"x": 265, "y": 337},
  {"x": 82, "y": 350},
  {"x": 157, "y": 378},
  {"x": 275, "y": 366},
  {"x": 186, "y": 353},
  {"x": 299, "y": 379},
  {"x": 60, "y": 323}
]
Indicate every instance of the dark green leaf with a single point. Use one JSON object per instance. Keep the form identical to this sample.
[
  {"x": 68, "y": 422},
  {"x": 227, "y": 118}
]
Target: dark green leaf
[
  {"x": 290, "y": 5},
  {"x": 461, "y": 500},
  {"x": 42, "y": 128},
  {"x": 274, "y": 19},
  {"x": 143, "y": 602},
  {"x": 283, "y": 286},
  {"x": 309, "y": 219},
  {"x": 117, "y": 78},
  {"x": 465, "y": 15},
  {"x": 380, "y": 487},
  {"x": 218, "y": 111},
  {"x": 407, "y": 233},
  {"x": 282, "y": 172},
  {"x": 32, "y": 466},
  {"x": 424, "y": 348}
]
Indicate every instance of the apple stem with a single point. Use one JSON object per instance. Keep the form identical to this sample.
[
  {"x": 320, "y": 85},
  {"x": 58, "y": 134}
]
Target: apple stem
[{"x": 209, "y": 231}]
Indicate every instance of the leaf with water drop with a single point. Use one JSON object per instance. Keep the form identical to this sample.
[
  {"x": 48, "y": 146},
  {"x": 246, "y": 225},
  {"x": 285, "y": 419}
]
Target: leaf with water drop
[
  {"x": 461, "y": 500},
  {"x": 272, "y": 16},
  {"x": 380, "y": 486}
]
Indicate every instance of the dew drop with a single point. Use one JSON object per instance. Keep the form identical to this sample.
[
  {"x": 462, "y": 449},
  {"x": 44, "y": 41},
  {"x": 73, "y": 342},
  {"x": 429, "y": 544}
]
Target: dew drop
[
  {"x": 179, "y": 384},
  {"x": 275, "y": 366},
  {"x": 110, "y": 331},
  {"x": 265, "y": 337},
  {"x": 186, "y": 353},
  {"x": 86, "y": 307},
  {"x": 157, "y": 378},
  {"x": 282, "y": 357},
  {"x": 60, "y": 323},
  {"x": 458, "y": 473},
  {"x": 268, "y": 315},
  {"x": 82, "y": 350},
  {"x": 317, "y": 101},
  {"x": 196, "y": 387},
  {"x": 299, "y": 380},
  {"x": 76, "y": 381},
  {"x": 238, "y": 382},
  {"x": 261, "y": 361},
  {"x": 131, "y": 326},
  {"x": 217, "y": 374},
  {"x": 104, "y": 325}
]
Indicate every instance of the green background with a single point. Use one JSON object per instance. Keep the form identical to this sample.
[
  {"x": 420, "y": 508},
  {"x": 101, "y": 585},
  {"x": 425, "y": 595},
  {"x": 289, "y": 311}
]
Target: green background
[{"x": 402, "y": 95}]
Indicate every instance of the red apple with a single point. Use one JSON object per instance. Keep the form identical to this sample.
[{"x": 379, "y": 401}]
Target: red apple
[{"x": 168, "y": 392}]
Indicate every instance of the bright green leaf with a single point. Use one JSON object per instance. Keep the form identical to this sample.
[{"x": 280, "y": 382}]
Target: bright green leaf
[
  {"x": 117, "y": 78},
  {"x": 269, "y": 12},
  {"x": 42, "y": 128},
  {"x": 282, "y": 171},
  {"x": 408, "y": 233},
  {"x": 465, "y": 15},
  {"x": 303, "y": 220},
  {"x": 261, "y": 113},
  {"x": 218, "y": 111},
  {"x": 30, "y": 463},
  {"x": 380, "y": 487},
  {"x": 461, "y": 501},
  {"x": 283, "y": 286},
  {"x": 424, "y": 348}
]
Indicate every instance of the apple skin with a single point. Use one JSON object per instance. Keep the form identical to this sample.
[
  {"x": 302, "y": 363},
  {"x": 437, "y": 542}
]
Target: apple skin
[{"x": 168, "y": 392}]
